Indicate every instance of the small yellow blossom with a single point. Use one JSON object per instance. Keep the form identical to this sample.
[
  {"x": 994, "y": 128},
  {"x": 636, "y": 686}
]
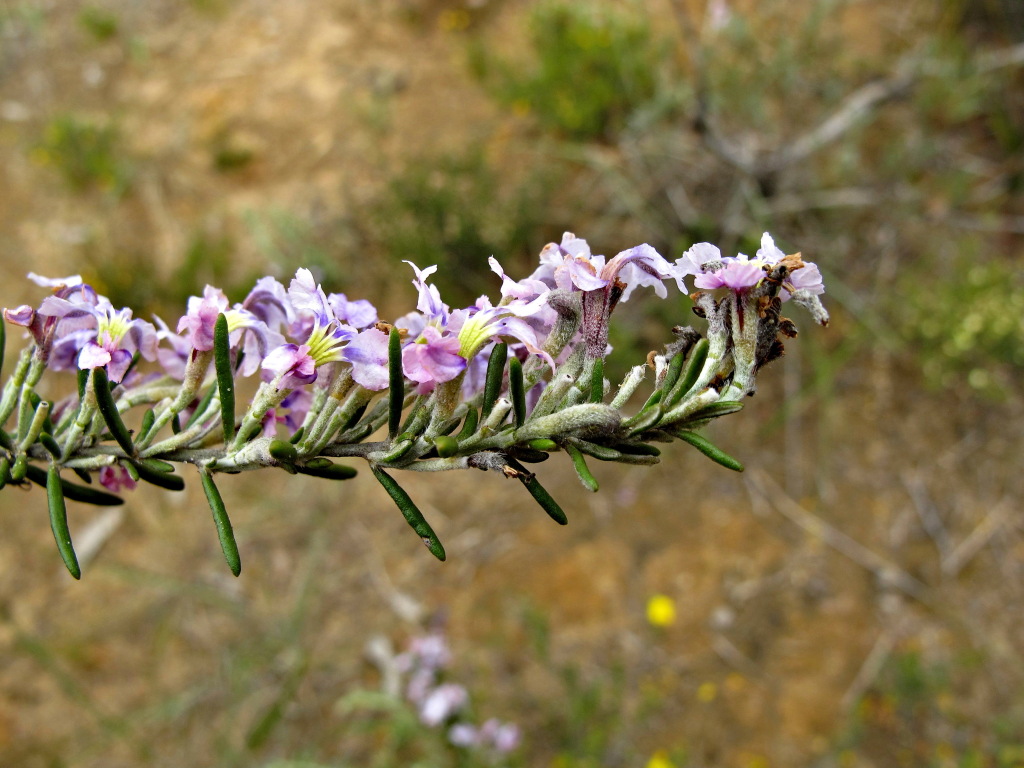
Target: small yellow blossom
[
  {"x": 707, "y": 692},
  {"x": 660, "y": 760},
  {"x": 661, "y": 611}
]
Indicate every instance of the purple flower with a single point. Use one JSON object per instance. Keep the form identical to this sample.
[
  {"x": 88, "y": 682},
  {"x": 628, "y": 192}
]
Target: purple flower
[
  {"x": 325, "y": 337},
  {"x": 571, "y": 265},
  {"x": 116, "y": 479},
  {"x": 358, "y": 314},
  {"x": 433, "y": 358},
  {"x": 429, "y": 302},
  {"x": 248, "y": 331},
  {"x": 699, "y": 258},
  {"x": 268, "y": 302},
  {"x": 201, "y": 316},
  {"x": 502, "y": 737},
  {"x": 807, "y": 279},
  {"x": 736, "y": 274},
  {"x": 367, "y": 351},
  {"x": 291, "y": 365},
  {"x": 291, "y": 412},
  {"x": 442, "y": 703},
  {"x": 103, "y": 337}
]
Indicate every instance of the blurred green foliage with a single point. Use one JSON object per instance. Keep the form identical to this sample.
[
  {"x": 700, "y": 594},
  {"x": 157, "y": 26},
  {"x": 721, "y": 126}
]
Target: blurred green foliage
[
  {"x": 592, "y": 65},
  {"x": 968, "y": 321},
  {"x": 86, "y": 153},
  {"x": 913, "y": 142},
  {"x": 456, "y": 211},
  {"x": 927, "y": 714},
  {"x": 101, "y": 24}
]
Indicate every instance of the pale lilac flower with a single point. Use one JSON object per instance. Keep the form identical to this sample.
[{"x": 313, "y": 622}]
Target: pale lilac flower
[
  {"x": 69, "y": 310},
  {"x": 201, "y": 316},
  {"x": 294, "y": 365},
  {"x": 104, "y": 337},
  {"x": 735, "y": 274},
  {"x": 769, "y": 253},
  {"x": 268, "y": 301},
  {"x": 700, "y": 257},
  {"x": 291, "y": 412},
  {"x": 116, "y": 479},
  {"x": 174, "y": 357},
  {"x": 367, "y": 351},
  {"x": 442, "y": 703},
  {"x": 433, "y": 358},
  {"x": 464, "y": 735},
  {"x": 55, "y": 282},
  {"x": 429, "y": 302},
  {"x": 482, "y": 323},
  {"x": 502, "y": 737},
  {"x": 359, "y": 314},
  {"x": 571, "y": 265},
  {"x": 290, "y": 365},
  {"x": 806, "y": 279},
  {"x": 247, "y": 330}
]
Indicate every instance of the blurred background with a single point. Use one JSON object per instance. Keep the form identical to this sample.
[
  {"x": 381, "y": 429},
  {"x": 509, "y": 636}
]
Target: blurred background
[{"x": 853, "y": 599}]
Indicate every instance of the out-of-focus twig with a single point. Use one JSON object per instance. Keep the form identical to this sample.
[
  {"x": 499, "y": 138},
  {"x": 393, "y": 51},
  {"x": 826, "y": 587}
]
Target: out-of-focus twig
[
  {"x": 927, "y": 513},
  {"x": 976, "y": 539},
  {"x": 886, "y": 571}
]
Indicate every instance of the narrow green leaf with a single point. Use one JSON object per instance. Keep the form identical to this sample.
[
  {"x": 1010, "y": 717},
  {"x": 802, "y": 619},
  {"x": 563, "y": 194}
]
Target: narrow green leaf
[
  {"x": 84, "y": 476},
  {"x": 713, "y": 411},
  {"x": 108, "y": 409},
  {"x": 695, "y": 364},
  {"x": 705, "y": 446},
  {"x": 469, "y": 426},
  {"x": 492, "y": 381},
  {"x": 83, "y": 382},
  {"x": 21, "y": 468},
  {"x": 147, "y": 421},
  {"x": 593, "y": 449},
  {"x": 225, "y": 376},
  {"x": 597, "y": 382},
  {"x": 410, "y": 512},
  {"x": 294, "y": 439},
  {"x": 5, "y": 468},
  {"x": 638, "y": 449},
  {"x": 542, "y": 497},
  {"x": 199, "y": 411},
  {"x": 516, "y": 390},
  {"x": 132, "y": 471},
  {"x": 74, "y": 492},
  {"x": 357, "y": 414},
  {"x": 329, "y": 472},
  {"x": 50, "y": 445},
  {"x": 148, "y": 472},
  {"x": 59, "y": 521},
  {"x": 396, "y": 382},
  {"x": 225, "y": 533},
  {"x": 675, "y": 368},
  {"x": 527, "y": 454},
  {"x": 158, "y": 465},
  {"x": 579, "y": 463},
  {"x": 176, "y": 422}
]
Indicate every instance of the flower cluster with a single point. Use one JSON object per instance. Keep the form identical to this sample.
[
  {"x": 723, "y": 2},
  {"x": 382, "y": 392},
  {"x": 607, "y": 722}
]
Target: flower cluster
[
  {"x": 491, "y": 386},
  {"x": 442, "y": 704}
]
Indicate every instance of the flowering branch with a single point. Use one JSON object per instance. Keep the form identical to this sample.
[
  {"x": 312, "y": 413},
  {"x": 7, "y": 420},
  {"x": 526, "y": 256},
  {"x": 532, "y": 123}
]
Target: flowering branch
[{"x": 491, "y": 386}]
